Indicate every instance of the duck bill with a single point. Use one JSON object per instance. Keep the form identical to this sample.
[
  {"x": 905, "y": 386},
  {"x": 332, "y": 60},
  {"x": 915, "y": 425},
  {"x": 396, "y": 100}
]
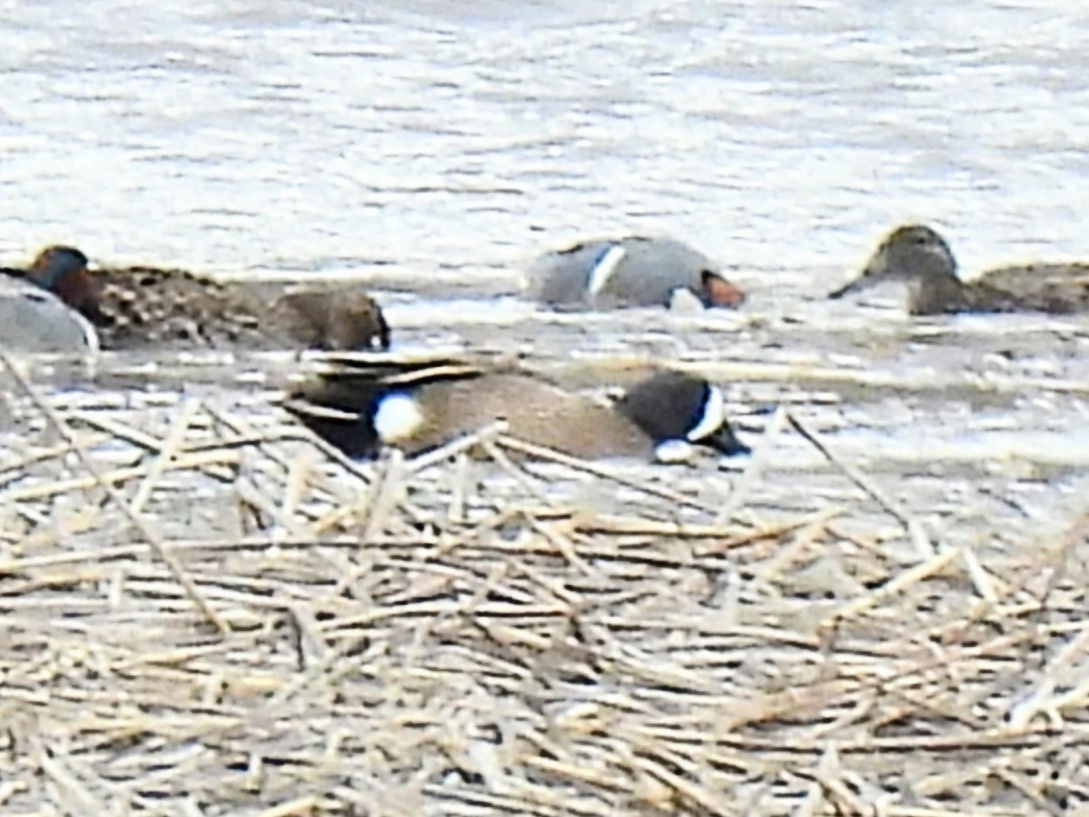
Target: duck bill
[
  {"x": 717, "y": 291},
  {"x": 873, "y": 273},
  {"x": 856, "y": 285},
  {"x": 726, "y": 442}
]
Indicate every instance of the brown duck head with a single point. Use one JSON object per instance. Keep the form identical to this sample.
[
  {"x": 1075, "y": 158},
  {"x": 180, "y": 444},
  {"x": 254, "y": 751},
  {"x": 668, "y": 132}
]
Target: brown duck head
[
  {"x": 717, "y": 291},
  {"x": 913, "y": 253},
  {"x": 334, "y": 320},
  {"x": 65, "y": 272}
]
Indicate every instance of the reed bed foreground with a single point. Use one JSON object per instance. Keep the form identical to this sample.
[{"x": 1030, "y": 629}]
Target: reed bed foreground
[{"x": 203, "y": 611}]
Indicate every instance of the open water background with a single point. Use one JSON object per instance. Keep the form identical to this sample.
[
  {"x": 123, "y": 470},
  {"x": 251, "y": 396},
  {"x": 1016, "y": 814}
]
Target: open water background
[{"x": 432, "y": 145}]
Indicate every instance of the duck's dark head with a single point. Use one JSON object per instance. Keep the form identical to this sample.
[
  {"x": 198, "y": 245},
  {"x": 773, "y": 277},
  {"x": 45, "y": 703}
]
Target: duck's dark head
[
  {"x": 64, "y": 271},
  {"x": 673, "y": 406}
]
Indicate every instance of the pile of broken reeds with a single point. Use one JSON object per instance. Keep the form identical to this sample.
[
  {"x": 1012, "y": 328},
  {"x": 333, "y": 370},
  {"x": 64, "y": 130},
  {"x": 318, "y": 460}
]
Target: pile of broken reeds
[{"x": 203, "y": 611}]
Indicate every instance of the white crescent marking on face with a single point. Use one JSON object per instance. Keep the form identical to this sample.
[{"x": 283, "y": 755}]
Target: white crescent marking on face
[
  {"x": 398, "y": 417},
  {"x": 714, "y": 415},
  {"x": 604, "y": 269}
]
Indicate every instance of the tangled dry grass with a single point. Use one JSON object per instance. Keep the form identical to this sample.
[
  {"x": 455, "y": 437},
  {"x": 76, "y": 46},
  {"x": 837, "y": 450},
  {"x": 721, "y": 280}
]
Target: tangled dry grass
[{"x": 203, "y": 611}]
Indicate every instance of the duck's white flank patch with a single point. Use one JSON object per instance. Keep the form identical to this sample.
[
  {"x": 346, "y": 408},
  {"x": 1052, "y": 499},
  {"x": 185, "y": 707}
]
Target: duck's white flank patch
[
  {"x": 604, "y": 269},
  {"x": 683, "y": 301},
  {"x": 714, "y": 415},
  {"x": 398, "y": 417},
  {"x": 674, "y": 451}
]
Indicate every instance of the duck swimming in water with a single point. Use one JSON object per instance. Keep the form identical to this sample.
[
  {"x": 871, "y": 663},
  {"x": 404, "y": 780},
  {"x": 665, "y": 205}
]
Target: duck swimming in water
[
  {"x": 141, "y": 306},
  {"x": 33, "y": 320},
  {"x": 918, "y": 255},
  {"x": 627, "y": 272},
  {"x": 421, "y": 405}
]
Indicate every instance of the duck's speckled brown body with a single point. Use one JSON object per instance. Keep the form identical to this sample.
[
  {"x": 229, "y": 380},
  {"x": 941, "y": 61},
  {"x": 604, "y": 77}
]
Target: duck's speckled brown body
[
  {"x": 144, "y": 306},
  {"x": 141, "y": 305}
]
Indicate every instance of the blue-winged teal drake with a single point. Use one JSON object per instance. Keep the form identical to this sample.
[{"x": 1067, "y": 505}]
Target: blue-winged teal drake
[
  {"x": 417, "y": 407},
  {"x": 139, "y": 306},
  {"x": 919, "y": 256},
  {"x": 628, "y": 272}
]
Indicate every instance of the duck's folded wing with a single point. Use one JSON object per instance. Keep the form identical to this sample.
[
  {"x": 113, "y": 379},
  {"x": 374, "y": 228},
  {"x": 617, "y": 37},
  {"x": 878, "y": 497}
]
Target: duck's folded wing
[
  {"x": 1055, "y": 288},
  {"x": 34, "y": 320},
  {"x": 148, "y": 305},
  {"x": 351, "y": 382}
]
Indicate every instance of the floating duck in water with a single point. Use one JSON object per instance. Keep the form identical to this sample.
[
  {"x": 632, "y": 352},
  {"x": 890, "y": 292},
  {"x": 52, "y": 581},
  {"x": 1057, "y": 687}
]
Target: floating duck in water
[
  {"x": 633, "y": 271},
  {"x": 33, "y": 320},
  {"x": 420, "y": 406},
  {"x": 139, "y": 306},
  {"x": 919, "y": 256}
]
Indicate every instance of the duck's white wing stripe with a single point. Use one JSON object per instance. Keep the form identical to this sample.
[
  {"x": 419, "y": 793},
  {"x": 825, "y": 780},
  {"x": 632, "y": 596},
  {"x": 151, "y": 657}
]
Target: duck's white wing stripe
[{"x": 604, "y": 269}]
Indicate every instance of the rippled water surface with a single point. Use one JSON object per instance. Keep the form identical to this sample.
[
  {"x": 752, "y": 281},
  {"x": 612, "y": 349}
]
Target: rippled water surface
[
  {"x": 423, "y": 142},
  {"x": 780, "y": 137},
  {"x": 913, "y": 579}
]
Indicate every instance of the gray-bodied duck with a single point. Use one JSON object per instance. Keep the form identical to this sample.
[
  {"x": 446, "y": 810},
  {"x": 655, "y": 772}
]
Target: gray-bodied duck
[
  {"x": 420, "y": 406},
  {"x": 917, "y": 255},
  {"x": 627, "y": 272},
  {"x": 140, "y": 306},
  {"x": 33, "y": 320}
]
